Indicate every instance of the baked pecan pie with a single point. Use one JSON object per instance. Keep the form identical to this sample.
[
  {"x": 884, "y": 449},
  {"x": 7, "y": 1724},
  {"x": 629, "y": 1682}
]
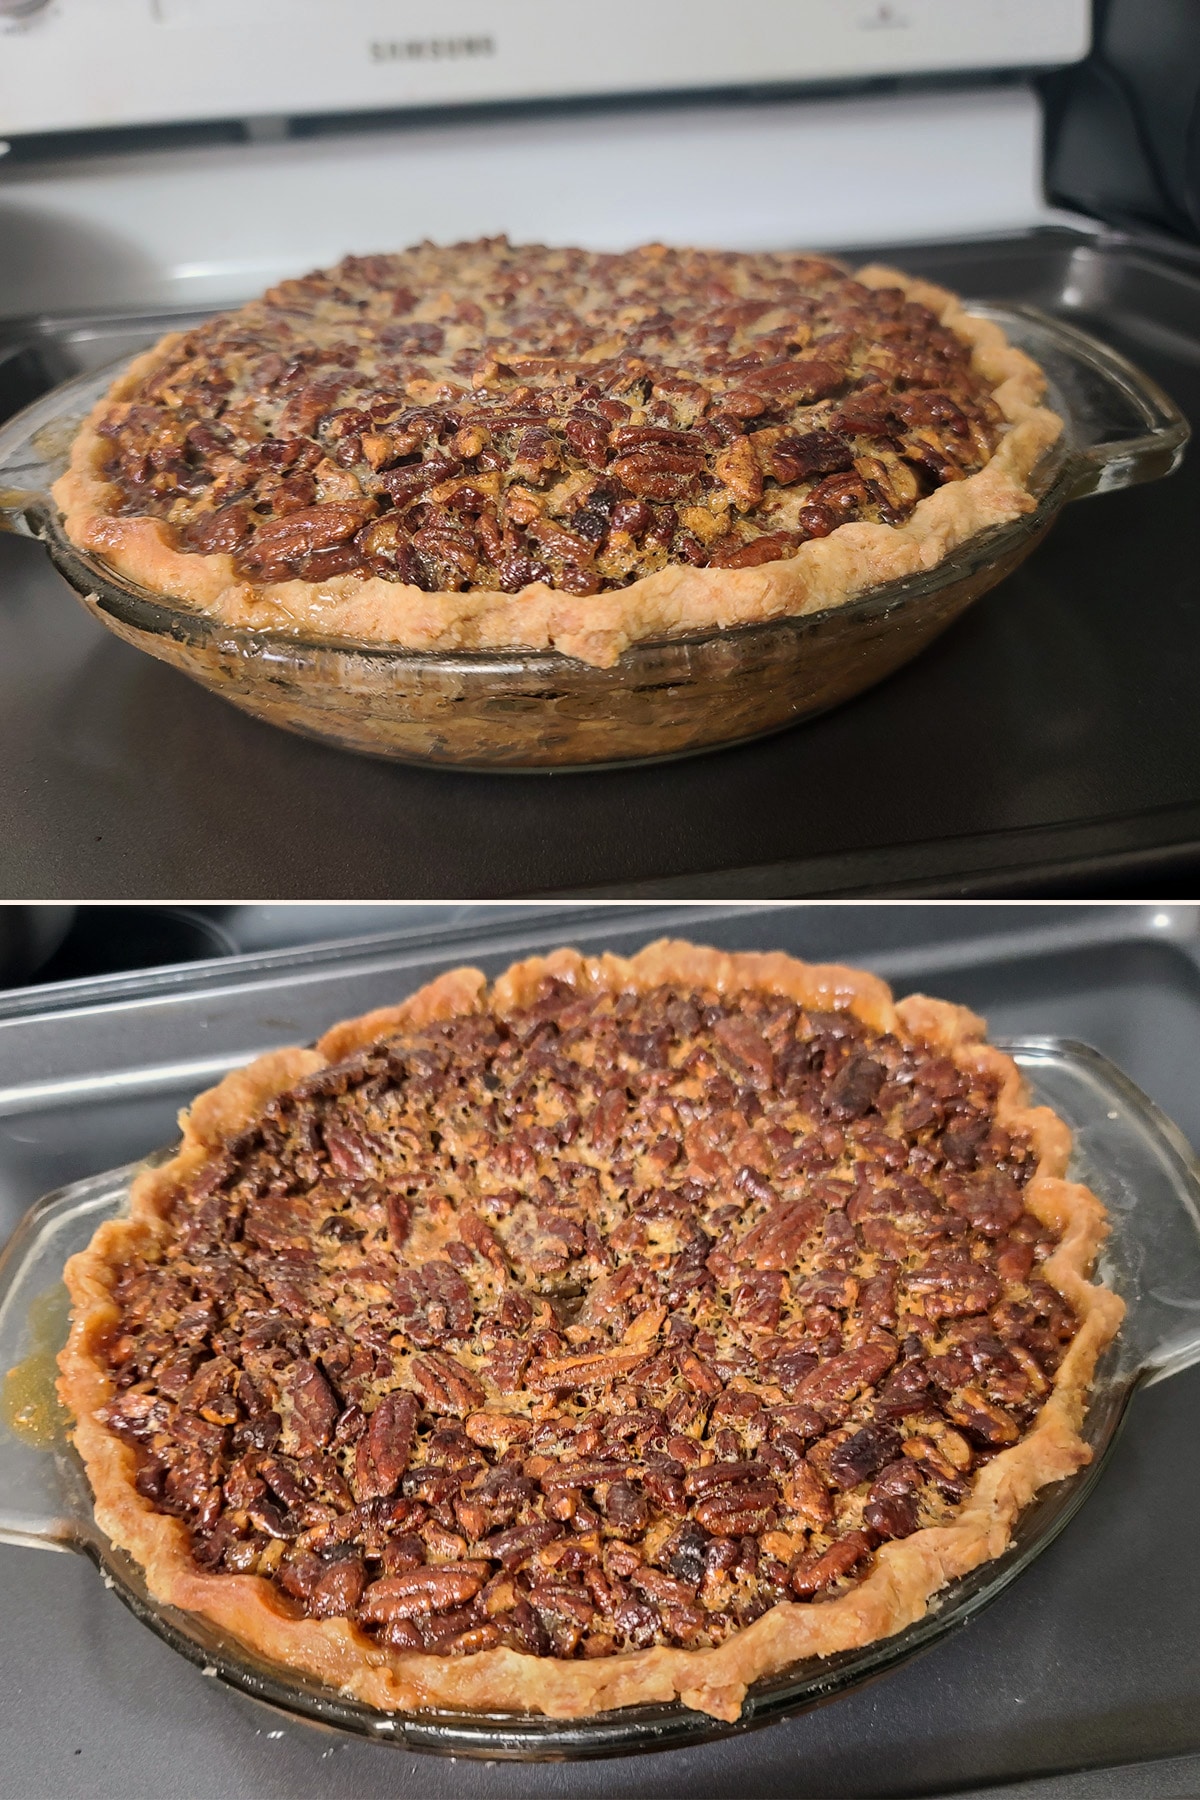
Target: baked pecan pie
[
  {"x": 621, "y": 1331},
  {"x": 494, "y": 445}
]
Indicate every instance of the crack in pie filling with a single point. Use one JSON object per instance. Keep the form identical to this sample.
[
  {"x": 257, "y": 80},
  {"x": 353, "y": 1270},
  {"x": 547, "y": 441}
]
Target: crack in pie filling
[
  {"x": 624, "y": 1330},
  {"x": 492, "y": 445}
]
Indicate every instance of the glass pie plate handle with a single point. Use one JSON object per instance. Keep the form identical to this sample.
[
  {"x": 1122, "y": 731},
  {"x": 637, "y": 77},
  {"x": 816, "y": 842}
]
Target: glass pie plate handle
[
  {"x": 1124, "y": 1148},
  {"x": 524, "y": 709}
]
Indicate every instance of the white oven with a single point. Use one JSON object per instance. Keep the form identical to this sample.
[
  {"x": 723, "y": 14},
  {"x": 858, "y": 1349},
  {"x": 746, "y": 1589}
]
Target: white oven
[{"x": 185, "y": 152}]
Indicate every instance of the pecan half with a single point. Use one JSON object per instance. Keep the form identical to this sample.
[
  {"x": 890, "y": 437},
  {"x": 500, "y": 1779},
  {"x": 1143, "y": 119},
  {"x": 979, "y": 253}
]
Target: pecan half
[
  {"x": 385, "y": 1449},
  {"x": 419, "y": 1591},
  {"x": 445, "y": 1387}
]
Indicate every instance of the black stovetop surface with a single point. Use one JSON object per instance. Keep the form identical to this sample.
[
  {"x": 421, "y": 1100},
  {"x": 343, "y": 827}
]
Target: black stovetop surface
[{"x": 1049, "y": 743}]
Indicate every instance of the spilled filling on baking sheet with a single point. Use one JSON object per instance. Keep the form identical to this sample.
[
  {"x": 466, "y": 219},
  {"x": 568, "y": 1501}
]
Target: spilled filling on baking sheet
[
  {"x": 608, "y": 1323},
  {"x": 488, "y": 415}
]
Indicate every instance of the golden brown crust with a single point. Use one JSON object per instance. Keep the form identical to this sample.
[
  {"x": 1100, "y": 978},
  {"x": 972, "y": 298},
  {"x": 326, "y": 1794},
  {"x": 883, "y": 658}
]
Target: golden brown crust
[
  {"x": 906, "y": 1573},
  {"x": 596, "y": 628}
]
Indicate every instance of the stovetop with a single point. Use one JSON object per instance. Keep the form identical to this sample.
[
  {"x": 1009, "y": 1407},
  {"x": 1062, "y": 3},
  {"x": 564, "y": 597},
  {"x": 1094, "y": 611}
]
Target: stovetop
[{"x": 1047, "y": 744}]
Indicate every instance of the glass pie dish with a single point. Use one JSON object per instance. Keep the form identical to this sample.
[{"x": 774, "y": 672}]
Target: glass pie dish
[
  {"x": 1133, "y": 1157},
  {"x": 663, "y": 698}
]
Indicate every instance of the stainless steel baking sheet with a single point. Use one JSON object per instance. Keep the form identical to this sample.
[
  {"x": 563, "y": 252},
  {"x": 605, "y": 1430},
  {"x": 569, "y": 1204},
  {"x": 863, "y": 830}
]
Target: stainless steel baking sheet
[
  {"x": 1090, "y": 1662},
  {"x": 1129, "y": 1155}
]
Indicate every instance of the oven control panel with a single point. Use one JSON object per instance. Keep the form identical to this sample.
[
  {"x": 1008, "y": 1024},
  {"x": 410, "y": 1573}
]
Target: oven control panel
[{"x": 80, "y": 64}]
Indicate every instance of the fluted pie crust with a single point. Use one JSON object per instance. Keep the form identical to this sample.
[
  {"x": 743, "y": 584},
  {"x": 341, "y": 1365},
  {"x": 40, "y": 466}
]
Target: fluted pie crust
[
  {"x": 906, "y": 1572},
  {"x": 596, "y": 628}
]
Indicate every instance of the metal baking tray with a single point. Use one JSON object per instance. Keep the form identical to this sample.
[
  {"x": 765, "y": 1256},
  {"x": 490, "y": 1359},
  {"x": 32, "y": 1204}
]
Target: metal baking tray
[
  {"x": 536, "y": 709},
  {"x": 1126, "y": 1150},
  {"x": 94, "y": 1070}
]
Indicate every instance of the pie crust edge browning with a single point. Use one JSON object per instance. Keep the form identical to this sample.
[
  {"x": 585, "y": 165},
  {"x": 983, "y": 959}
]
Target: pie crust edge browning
[
  {"x": 906, "y": 1572},
  {"x": 824, "y": 572}
]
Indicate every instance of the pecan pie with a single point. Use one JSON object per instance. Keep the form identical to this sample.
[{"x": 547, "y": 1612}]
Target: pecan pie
[
  {"x": 494, "y": 445},
  {"x": 621, "y": 1331}
]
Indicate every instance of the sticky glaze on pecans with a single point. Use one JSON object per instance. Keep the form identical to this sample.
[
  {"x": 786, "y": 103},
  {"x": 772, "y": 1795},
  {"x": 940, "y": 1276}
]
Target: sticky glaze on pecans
[
  {"x": 609, "y": 1323},
  {"x": 488, "y": 415}
]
